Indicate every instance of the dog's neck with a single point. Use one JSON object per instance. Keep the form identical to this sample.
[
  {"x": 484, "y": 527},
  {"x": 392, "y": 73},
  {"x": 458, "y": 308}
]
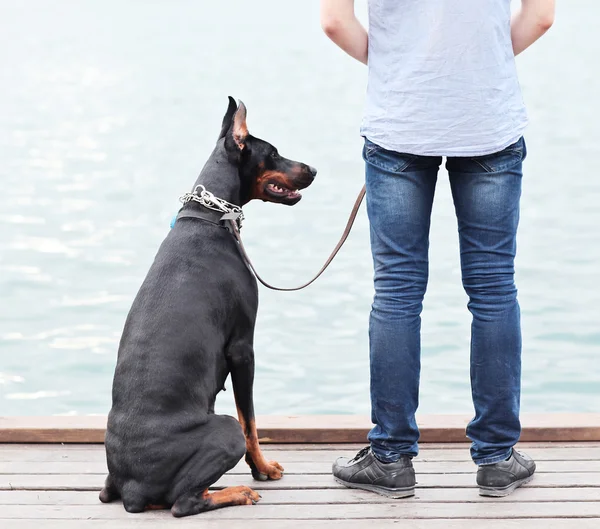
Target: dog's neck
[{"x": 220, "y": 176}]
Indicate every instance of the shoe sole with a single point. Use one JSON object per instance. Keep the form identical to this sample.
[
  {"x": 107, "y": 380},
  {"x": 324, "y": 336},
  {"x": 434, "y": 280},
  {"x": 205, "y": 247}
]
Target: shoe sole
[
  {"x": 497, "y": 492},
  {"x": 388, "y": 493}
]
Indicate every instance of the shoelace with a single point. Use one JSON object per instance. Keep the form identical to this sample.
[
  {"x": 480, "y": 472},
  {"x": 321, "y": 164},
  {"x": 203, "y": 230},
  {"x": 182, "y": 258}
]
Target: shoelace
[{"x": 362, "y": 453}]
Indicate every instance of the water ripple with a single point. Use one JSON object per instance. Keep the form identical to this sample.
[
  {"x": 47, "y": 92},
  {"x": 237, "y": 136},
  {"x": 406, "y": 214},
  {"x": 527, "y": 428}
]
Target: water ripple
[{"x": 107, "y": 117}]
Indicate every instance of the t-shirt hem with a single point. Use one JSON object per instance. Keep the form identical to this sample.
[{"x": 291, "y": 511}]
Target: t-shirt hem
[{"x": 458, "y": 152}]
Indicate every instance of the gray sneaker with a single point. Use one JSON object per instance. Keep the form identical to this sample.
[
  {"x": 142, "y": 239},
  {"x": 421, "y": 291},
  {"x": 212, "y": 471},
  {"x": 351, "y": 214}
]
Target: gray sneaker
[
  {"x": 365, "y": 471},
  {"x": 500, "y": 479}
]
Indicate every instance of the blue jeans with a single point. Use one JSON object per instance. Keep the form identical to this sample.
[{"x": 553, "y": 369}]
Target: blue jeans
[{"x": 486, "y": 192}]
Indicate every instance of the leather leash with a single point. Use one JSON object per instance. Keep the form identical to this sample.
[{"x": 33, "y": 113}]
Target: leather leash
[{"x": 233, "y": 227}]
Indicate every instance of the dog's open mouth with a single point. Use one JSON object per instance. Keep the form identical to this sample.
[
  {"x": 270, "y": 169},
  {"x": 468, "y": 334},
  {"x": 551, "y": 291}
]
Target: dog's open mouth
[{"x": 283, "y": 192}]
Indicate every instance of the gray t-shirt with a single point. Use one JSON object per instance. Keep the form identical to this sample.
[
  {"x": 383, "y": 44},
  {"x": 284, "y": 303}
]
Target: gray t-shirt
[{"x": 442, "y": 77}]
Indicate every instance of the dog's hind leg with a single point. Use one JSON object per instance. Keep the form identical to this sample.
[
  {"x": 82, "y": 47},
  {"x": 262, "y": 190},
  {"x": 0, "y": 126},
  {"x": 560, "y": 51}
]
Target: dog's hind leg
[
  {"x": 196, "y": 501},
  {"x": 134, "y": 500},
  {"x": 219, "y": 445},
  {"x": 109, "y": 492}
]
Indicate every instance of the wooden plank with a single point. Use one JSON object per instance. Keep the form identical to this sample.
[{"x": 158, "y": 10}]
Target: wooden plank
[
  {"x": 319, "y": 481},
  {"x": 95, "y": 453},
  {"x": 311, "y": 429},
  {"x": 464, "y": 445},
  {"x": 564, "y": 479},
  {"x": 329, "y": 496},
  {"x": 398, "y": 510},
  {"x": 85, "y": 429},
  {"x": 306, "y": 467},
  {"x": 583, "y": 452},
  {"x": 152, "y": 521},
  {"x": 304, "y": 447}
]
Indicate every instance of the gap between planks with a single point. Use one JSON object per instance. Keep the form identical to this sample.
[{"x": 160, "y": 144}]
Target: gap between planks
[
  {"x": 399, "y": 510},
  {"x": 291, "y": 467},
  {"x": 310, "y": 446},
  {"x": 151, "y": 522},
  {"x": 332, "y": 496},
  {"x": 297, "y": 481},
  {"x": 305, "y": 453}
]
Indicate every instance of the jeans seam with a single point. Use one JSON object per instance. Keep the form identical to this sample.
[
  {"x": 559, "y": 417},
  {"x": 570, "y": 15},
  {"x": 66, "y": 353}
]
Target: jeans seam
[
  {"x": 490, "y": 169},
  {"x": 483, "y": 165},
  {"x": 371, "y": 149},
  {"x": 399, "y": 168}
]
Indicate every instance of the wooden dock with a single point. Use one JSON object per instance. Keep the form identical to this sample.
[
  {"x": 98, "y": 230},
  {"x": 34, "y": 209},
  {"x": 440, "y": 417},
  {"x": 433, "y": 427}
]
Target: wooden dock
[{"x": 54, "y": 484}]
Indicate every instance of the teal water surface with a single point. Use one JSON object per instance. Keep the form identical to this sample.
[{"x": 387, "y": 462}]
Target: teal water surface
[{"x": 109, "y": 109}]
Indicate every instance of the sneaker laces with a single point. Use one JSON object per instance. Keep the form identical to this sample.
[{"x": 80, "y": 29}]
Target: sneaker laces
[{"x": 362, "y": 453}]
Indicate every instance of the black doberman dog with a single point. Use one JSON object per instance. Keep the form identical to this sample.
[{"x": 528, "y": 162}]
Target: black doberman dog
[{"x": 190, "y": 326}]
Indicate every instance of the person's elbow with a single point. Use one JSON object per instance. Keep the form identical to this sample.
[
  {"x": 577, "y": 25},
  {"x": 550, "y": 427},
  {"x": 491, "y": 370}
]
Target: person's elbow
[
  {"x": 545, "y": 21},
  {"x": 545, "y": 15},
  {"x": 331, "y": 25}
]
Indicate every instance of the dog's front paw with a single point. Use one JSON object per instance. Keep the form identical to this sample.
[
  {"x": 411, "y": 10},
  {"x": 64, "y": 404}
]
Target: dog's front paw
[{"x": 267, "y": 470}]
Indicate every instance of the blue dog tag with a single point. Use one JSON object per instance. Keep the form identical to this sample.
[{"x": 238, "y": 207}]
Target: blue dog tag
[{"x": 173, "y": 220}]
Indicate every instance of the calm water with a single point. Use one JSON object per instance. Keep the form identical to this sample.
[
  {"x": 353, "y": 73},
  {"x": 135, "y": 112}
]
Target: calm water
[{"x": 108, "y": 111}]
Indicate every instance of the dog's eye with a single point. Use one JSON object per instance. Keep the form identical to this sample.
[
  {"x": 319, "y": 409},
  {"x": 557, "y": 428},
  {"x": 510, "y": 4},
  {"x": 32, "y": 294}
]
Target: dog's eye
[{"x": 274, "y": 154}]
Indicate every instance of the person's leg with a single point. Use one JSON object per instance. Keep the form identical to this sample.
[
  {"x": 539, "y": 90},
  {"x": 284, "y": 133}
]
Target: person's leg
[
  {"x": 487, "y": 193},
  {"x": 400, "y": 191}
]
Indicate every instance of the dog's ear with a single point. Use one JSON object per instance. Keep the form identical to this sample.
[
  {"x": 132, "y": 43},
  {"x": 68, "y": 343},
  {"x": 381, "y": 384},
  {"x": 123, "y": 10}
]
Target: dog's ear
[
  {"x": 235, "y": 139},
  {"x": 228, "y": 117},
  {"x": 239, "y": 129}
]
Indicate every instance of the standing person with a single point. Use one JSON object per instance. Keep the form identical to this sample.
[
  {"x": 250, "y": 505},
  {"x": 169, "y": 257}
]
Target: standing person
[{"x": 442, "y": 83}]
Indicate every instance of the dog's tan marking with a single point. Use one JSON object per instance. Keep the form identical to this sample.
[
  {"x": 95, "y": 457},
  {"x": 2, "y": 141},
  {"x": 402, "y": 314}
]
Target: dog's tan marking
[
  {"x": 222, "y": 498},
  {"x": 271, "y": 469},
  {"x": 156, "y": 507},
  {"x": 233, "y": 496},
  {"x": 274, "y": 177}
]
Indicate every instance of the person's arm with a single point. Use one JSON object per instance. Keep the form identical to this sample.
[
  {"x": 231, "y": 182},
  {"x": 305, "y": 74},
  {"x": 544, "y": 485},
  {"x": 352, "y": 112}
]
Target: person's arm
[
  {"x": 530, "y": 22},
  {"x": 341, "y": 25}
]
